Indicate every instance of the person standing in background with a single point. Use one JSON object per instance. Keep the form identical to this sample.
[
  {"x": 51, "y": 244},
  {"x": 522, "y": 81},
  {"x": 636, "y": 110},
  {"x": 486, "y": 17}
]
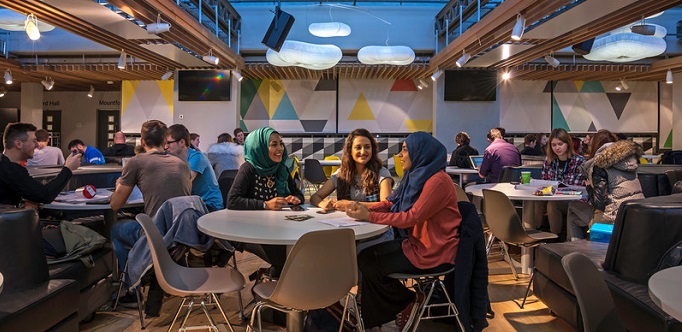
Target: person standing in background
[
  {"x": 45, "y": 155},
  {"x": 90, "y": 154},
  {"x": 238, "y": 136},
  {"x": 460, "y": 156},
  {"x": 120, "y": 148},
  {"x": 194, "y": 140}
]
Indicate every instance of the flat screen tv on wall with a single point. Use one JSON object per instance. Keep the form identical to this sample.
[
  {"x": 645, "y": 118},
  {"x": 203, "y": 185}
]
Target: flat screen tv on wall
[
  {"x": 204, "y": 85},
  {"x": 470, "y": 85}
]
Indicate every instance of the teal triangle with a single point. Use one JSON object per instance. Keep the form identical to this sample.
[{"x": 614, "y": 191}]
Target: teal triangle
[
  {"x": 242, "y": 125},
  {"x": 592, "y": 86},
  {"x": 249, "y": 91},
  {"x": 558, "y": 120},
  {"x": 285, "y": 110}
]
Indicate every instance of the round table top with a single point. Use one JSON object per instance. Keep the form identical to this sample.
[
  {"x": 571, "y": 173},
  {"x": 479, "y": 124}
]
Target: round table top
[
  {"x": 272, "y": 227},
  {"x": 665, "y": 290},
  {"x": 456, "y": 170},
  {"x": 2, "y": 281},
  {"x": 76, "y": 202},
  {"x": 518, "y": 194}
]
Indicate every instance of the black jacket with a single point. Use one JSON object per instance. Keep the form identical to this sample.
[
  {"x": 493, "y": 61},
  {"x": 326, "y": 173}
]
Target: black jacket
[
  {"x": 468, "y": 285},
  {"x": 243, "y": 190},
  {"x": 460, "y": 156},
  {"x": 119, "y": 150},
  {"x": 16, "y": 183}
]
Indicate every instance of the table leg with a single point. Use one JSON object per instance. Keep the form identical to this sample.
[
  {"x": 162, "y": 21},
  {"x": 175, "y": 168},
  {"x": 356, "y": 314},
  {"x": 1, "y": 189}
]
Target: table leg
[{"x": 532, "y": 217}]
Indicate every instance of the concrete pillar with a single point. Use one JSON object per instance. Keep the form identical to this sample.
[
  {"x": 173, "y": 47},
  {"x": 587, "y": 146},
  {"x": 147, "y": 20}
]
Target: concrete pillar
[
  {"x": 677, "y": 111},
  {"x": 31, "y": 109}
]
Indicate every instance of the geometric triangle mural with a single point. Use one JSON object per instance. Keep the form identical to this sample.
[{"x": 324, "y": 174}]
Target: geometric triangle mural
[
  {"x": 579, "y": 84},
  {"x": 361, "y": 109},
  {"x": 285, "y": 111},
  {"x": 592, "y": 86},
  {"x": 592, "y": 127},
  {"x": 403, "y": 85},
  {"x": 326, "y": 85},
  {"x": 249, "y": 90},
  {"x": 558, "y": 120},
  {"x": 618, "y": 102}
]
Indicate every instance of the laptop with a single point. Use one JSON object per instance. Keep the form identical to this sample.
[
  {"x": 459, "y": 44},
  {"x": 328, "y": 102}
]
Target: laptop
[{"x": 476, "y": 161}]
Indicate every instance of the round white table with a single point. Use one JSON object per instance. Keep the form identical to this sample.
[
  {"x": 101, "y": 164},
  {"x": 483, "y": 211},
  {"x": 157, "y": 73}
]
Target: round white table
[
  {"x": 530, "y": 218},
  {"x": 271, "y": 227},
  {"x": 454, "y": 170},
  {"x": 665, "y": 291},
  {"x": 2, "y": 281}
]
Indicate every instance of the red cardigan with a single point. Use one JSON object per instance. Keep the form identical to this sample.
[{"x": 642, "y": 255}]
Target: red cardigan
[{"x": 434, "y": 220}]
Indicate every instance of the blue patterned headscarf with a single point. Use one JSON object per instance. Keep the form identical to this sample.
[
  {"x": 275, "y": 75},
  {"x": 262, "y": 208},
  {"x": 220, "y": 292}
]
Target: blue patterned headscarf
[
  {"x": 256, "y": 153},
  {"x": 428, "y": 156}
]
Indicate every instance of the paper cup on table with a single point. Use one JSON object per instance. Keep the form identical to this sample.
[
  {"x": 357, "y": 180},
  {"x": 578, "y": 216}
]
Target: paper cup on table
[{"x": 525, "y": 177}]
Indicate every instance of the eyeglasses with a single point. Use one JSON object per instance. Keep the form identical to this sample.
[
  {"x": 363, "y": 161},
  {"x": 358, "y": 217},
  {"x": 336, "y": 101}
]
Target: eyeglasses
[{"x": 171, "y": 142}]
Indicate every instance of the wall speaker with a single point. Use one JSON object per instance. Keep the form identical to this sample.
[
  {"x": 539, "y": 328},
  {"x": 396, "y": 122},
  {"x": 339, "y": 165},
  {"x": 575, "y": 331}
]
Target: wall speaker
[
  {"x": 584, "y": 47},
  {"x": 278, "y": 30}
]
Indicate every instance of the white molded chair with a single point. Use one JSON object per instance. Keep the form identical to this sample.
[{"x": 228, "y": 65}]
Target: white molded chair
[
  {"x": 189, "y": 283},
  {"x": 320, "y": 270}
]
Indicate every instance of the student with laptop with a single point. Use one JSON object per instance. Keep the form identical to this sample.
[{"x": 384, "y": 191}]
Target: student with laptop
[
  {"x": 497, "y": 155},
  {"x": 460, "y": 156}
]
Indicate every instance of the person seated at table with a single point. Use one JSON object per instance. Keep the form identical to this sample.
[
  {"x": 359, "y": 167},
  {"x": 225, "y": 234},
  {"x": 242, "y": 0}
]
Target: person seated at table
[
  {"x": 497, "y": 155},
  {"x": 361, "y": 177},
  {"x": 16, "y": 184},
  {"x": 460, "y": 156},
  {"x": 238, "y": 135},
  {"x": 529, "y": 143},
  {"x": 225, "y": 155},
  {"x": 120, "y": 148},
  {"x": 90, "y": 154},
  {"x": 204, "y": 181},
  {"x": 611, "y": 179},
  {"x": 45, "y": 155},
  {"x": 426, "y": 204},
  {"x": 263, "y": 182},
  {"x": 160, "y": 176},
  {"x": 561, "y": 164}
]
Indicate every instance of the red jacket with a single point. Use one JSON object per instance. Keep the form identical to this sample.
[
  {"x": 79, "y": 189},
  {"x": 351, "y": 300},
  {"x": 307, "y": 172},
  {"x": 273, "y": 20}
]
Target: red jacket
[{"x": 434, "y": 220}]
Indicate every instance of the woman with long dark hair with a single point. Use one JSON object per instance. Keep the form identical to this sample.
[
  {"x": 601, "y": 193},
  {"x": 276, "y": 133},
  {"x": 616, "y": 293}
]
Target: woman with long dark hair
[{"x": 361, "y": 177}]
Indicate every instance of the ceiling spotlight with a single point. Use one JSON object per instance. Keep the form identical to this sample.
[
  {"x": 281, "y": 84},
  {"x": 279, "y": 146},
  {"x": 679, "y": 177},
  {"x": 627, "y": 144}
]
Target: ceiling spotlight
[
  {"x": 2, "y": 92},
  {"x": 31, "y": 27},
  {"x": 91, "y": 92},
  {"x": 420, "y": 86},
  {"x": 423, "y": 82},
  {"x": 237, "y": 75},
  {"x": 463, "y": 59},
  {"x": 506, "y": 75},
  {"x": 167, "y": 75},
  {"x": 436, "y": 75},
  {"x": 552, "y": 61},
  {"x": 8, "y": 76},
  {"x": 210, "y": 58},
  {"x": 158, "y": 27},
  {"x": 668, "y": 77},
  {"x": 618, "y": 87},
  {"x": 624, "y": 85},
  {"x": 48, "y": 83},
  {"x": 643, "y": 29},
  {"x": 122, "y": 60},
  {"x": 519, "y": 26}
]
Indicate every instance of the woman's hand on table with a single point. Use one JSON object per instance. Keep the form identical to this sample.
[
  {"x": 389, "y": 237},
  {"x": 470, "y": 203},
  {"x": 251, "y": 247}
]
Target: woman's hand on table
[
  {"x": 327, "y": 204},
  {"x": 343, "y": 204},
  {"x": 276, "y": 203},
  {"x": 358, "y": 211},
  {"x": 293, "y": 200}
]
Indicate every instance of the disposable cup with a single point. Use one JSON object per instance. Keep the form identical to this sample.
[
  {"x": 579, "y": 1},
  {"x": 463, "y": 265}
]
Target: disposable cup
[{"x": 525, "y": 177}]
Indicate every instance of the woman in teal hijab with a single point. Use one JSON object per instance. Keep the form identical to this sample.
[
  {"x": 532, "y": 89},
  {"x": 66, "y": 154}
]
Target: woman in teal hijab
[{"x": 263, "y": 183}]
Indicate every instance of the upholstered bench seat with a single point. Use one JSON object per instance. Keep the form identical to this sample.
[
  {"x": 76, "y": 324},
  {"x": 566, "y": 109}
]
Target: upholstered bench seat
[{"x": 40, "y": 308}]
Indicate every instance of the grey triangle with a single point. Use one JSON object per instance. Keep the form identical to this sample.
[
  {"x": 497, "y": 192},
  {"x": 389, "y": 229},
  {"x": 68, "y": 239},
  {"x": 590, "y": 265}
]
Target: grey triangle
[
  {"x": 326, "y": 85},
  {"x": 313, "y": 126},
  {"x": 592, "y": 127}
]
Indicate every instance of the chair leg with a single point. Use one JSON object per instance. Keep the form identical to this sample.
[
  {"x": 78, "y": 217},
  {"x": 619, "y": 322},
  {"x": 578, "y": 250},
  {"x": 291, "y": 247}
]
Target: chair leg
[
  {"x": 255, "y": 312},
  {"x": 489, "y": 244},
  {"x": 138, "y": 295},
  {"x": 360, "y": 325},
  {"x": 532, "y": 274},
  {"x": 343, "y": 314},
  {"x": 220, "y": 307},
  {"x": 451, "y": 305},
  {"x": 177, "y": 313},
  {"x": 509, "y": 260},
  {"x": 239, "y": 293},
  {"x": 208, "y": 315},
  {"x": 426, "y": 302},
  {"x": 184, "y": 319}
]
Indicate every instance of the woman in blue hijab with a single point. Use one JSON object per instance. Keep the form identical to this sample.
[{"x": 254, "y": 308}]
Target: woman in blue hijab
[
  {"x": 425, "y": 204},
  {"x": 264, "y": 183}
]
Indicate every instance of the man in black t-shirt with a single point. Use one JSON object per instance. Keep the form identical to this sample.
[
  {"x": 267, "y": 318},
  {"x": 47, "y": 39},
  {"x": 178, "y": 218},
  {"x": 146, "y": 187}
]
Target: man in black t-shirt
[{"x": 15, "y": 182}]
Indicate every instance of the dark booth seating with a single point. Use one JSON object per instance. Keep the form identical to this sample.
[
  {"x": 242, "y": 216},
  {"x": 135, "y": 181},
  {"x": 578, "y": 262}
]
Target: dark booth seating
[
  {"x": 654, "y": 180},
  {"x": 513, "y": 173},
  {"x": 30, "y": 301},
  {"x": 643, "y": 231}
]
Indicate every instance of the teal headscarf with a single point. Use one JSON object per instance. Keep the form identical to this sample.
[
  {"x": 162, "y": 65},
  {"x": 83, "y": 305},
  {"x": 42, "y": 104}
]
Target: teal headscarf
[{"x": 256, "y": 154}]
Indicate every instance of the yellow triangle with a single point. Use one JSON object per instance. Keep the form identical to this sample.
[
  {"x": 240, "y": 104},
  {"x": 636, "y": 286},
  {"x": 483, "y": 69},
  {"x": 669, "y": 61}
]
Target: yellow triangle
[
  {"x": 166, "y": 88},
  {"x": 127, "y": 92},
  {"x": 361, "y": 110},
  {"x": 579, "y": 85},
  {"x": 271, "y": 93},
  {"x": 419, "y": 125}
]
